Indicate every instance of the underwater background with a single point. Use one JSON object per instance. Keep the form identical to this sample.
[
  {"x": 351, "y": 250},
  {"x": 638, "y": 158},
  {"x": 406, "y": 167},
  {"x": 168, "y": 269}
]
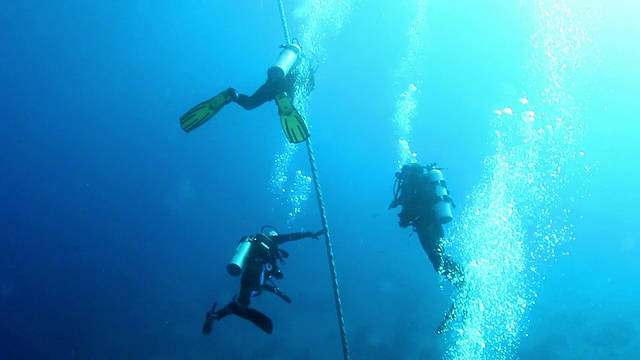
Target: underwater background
[{"x": 116, "y": 226}]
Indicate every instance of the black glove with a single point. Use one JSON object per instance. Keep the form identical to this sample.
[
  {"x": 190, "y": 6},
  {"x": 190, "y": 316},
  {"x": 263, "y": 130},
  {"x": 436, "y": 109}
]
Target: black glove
[{"x": 316, "y": 235}]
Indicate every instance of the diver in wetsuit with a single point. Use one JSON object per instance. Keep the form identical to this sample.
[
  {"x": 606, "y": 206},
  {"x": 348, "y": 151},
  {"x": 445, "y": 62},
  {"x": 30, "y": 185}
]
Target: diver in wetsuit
[
  {"x": 277, "y": 82},
  {"x": 422, "y": 193},
  {"x": 256, "y": 259},
  {"x": 279, "y": 86}
]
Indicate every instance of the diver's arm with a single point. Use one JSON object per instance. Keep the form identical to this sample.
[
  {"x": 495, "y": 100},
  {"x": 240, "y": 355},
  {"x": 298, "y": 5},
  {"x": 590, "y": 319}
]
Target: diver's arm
[{"x": 281, "y": 239}]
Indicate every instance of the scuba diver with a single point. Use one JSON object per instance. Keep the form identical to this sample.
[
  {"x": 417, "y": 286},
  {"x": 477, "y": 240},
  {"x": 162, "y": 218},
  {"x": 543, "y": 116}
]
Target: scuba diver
[
  {"x": 426, "y": 206},
  {"x": 256, "y": 258},
  {"x": 279, "y": 86}
]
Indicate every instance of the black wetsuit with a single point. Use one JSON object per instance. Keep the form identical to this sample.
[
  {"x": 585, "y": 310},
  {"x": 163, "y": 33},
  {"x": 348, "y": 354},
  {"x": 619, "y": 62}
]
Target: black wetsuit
[
  {"x": 431, "y": 236},
  {"x": 261, "y": 266},
  {"x": 417, "y": 201},
  {"x": 276, "y": 83}
]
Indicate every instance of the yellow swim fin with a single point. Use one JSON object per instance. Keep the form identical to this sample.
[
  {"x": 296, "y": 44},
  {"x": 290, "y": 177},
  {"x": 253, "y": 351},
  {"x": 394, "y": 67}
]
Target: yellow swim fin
[
  {"x": 293, "y": 124},
  {"x": 204, "y": 111}
]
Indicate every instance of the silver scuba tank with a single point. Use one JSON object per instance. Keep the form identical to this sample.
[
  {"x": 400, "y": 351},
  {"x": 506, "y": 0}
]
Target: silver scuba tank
[
  {"x": 236, "y": 265},
  {"x": 442, "y": 208},
  {"x": 286, "y": 59}
]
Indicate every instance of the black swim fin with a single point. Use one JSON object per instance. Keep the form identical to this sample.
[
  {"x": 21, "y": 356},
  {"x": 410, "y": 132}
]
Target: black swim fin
[
  {"x": 256, "y": 317},
  {"x": 208, "y": 321},
  {"x": 450, "y": 316}
]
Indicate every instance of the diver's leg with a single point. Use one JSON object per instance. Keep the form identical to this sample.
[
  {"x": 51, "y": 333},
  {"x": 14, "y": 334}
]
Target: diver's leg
[
  {"x": 452, "y": 271},
  {"x": 250, "y": 286},
  {"x": 429, "y": 236},
  {"x": 255, "y": 100},
  {"x": 431, "y": 240},
  {"x": 266, "y": 92},
  {"x": 250, "y": 283}
]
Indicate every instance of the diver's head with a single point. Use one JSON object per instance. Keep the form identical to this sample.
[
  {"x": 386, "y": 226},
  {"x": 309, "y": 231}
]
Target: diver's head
[
  {"x": 412, "y": 168},
  {"x": 411, "y": 171},
  {"x": 269, "y": 230}
]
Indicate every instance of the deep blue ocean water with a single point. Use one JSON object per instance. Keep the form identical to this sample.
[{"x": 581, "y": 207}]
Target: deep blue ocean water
[{"x": 116, "y": 226}]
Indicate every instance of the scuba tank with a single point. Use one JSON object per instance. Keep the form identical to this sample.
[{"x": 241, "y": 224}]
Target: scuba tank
[
  {"x": 285, "y": 61},
  {"x": 236, "y": 265},
  {"x": 417, "y": 184},
  {"x": 246, "y": 245},
  {"x": 442, "y": 208}
]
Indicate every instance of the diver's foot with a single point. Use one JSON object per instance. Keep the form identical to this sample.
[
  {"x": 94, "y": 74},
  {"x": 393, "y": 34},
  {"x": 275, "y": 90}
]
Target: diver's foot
[
  {"x": 234, "y": 306},
  {"x": 230, "y": 95}
]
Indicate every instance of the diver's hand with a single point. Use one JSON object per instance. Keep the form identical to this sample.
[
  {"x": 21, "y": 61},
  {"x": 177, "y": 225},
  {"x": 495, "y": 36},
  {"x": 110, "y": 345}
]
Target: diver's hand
[{"x": 316, "y": 235}]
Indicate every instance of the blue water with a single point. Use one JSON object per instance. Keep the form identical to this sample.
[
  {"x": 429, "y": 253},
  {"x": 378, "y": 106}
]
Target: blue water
[{"x": 116, "y": 226}]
